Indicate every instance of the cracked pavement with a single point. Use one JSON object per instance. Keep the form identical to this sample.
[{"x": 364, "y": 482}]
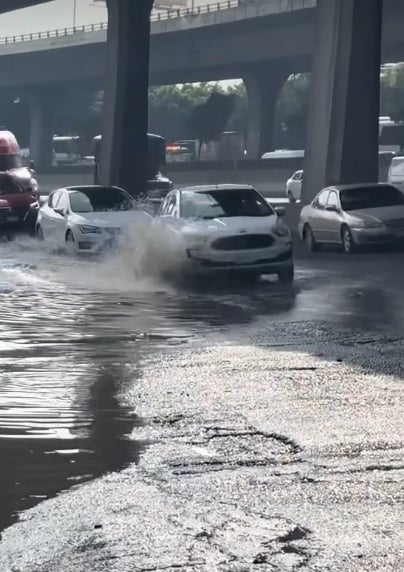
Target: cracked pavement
[{"x": 275, "y": 446}]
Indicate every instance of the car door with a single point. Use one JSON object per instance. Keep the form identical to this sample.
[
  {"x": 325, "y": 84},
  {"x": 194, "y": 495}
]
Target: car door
[
  {"x": 47, "y": 219},
  {"x": 332, "y": 218},
  {"x": 317, "y": 220},
  {"x": 296, "y": 184},
  {"x": 61, "y": 210}
]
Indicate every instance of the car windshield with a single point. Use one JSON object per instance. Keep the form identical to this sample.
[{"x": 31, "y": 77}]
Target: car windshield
[
  {"x": 223, "y": 203},
  {"x": 99, "y": 199},
  {"x": 371, "y": 197}
]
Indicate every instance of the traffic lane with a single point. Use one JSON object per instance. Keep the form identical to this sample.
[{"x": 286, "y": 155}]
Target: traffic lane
[{"x": 271, "y": 449}]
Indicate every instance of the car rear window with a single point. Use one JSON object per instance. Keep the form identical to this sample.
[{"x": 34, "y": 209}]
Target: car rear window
[{"x": 370, "y": 197}]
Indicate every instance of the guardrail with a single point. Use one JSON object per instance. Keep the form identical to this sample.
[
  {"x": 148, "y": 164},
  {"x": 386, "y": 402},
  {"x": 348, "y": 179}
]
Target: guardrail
[{"x": 156, "y": 17}]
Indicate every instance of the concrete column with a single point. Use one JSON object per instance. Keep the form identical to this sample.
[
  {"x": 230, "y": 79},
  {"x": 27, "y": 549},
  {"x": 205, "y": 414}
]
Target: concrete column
[
  {"x": 263, "y": 85},
  {"x": 42, "y": 107},
  {"x": 124, "y": 146},
  {"x": 343, "y": 130}
]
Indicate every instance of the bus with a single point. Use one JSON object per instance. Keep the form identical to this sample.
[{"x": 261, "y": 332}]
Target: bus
[{"x": 157, "y": 183}]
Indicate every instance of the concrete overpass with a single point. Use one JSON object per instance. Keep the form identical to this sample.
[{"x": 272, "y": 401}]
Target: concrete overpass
[
  {"x": 262, "y": 42},
  {"x": 10, "y": 5}
]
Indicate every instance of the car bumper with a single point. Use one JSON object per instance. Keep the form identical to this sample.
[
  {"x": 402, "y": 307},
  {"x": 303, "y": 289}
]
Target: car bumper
[
  {"x": 263, "y": 263},
  {"x": 376, "y": 235}
]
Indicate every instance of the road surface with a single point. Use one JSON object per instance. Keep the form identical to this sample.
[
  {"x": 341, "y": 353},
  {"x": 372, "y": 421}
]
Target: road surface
[{"x": 238, "y": 427}]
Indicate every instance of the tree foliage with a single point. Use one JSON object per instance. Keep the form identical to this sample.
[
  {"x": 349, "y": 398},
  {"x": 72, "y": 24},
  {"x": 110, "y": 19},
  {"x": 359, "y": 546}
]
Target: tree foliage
[
  {"x": 208, "y": 120},
  {"x": 191, "y": 110}
]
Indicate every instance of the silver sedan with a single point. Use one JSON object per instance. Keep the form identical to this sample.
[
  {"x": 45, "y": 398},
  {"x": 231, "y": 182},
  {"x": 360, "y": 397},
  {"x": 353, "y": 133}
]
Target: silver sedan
[{"x": 353, "y": 215}]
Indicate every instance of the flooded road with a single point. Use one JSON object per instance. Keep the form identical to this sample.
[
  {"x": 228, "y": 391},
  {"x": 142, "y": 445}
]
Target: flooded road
[{"x": 75, "y": 334}]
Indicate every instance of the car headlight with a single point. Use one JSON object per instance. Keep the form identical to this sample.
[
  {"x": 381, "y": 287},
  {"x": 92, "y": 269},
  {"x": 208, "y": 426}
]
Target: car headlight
[
  {"x": 87, "y": 229},
  {"x": 281, "y": 231},
  {"x": 367, "y": 223}
]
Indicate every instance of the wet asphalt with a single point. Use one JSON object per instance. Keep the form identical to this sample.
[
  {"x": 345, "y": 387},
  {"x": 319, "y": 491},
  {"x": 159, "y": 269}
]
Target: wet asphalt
[{"x": 240, "y": 426}]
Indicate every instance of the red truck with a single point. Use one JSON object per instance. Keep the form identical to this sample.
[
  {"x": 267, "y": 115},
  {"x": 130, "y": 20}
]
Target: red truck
[{"x": 17, "y": 186}]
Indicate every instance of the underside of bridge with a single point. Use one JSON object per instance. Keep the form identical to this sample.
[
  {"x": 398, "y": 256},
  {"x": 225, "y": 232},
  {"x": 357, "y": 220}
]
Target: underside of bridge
[{"x": 9, "y": 5}]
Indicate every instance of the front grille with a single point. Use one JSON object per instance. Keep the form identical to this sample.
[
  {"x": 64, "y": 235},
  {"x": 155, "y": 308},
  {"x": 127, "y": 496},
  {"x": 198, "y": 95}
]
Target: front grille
[
  {"x": 113, "y": 231},
  {"x": 214, "y": 264},
  {"x": 243, "y": 242},
  {"x": 4, "y": 214},
  {"x": 396, "y": 224}
]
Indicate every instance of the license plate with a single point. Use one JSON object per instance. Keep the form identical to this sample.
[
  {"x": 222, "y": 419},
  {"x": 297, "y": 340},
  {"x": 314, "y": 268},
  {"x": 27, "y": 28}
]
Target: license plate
[{"x": 13, "y": 219}]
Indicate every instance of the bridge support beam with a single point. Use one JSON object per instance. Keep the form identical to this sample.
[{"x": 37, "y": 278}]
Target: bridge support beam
[
  {"x": 42, "y": 107},
  {"x": 124, "y": 155},
  {"x": 263, "y": 84},
  {"x": 343, "y": 130}
]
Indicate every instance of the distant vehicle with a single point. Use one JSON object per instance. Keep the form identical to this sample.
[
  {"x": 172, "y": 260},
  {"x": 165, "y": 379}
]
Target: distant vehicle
[
  {"x": 294, "y": 186},
  {"x": 67, "y": 149},
  {"x": 396, "y": 173},
  {"x": 391, "y": 135},
  {"x": 353, "y": 215},
  {"x": 180, "y": 152},
  {"x": 17, "y": 185},
  {"x": 222, "y": 228},
  {"x": 88, "y": 218},
  {"x": 284, "y": 154},
  {"x": 156, "y": 181}
]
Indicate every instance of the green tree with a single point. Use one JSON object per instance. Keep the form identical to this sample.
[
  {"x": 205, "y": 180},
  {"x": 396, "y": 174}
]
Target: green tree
[{"x": 209, "y": 119}]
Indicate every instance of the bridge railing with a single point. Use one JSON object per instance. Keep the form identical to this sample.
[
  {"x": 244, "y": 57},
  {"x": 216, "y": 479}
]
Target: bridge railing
[{"x": 156, "y": 17}]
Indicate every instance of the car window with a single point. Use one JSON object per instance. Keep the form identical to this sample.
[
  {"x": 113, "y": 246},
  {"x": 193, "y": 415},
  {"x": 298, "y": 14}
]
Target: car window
[
  {"x": 321, "y": 200},
  {"x": 99, "y": 199},
  {"x": 62, "y": 202},
  {"x": 224, "y": 203},
  {"x": 371, "y": 197},
  {"x": 171, "y": 205},
  {"x": 333, "y": 200},
  {"x": 53, "y": 199}
]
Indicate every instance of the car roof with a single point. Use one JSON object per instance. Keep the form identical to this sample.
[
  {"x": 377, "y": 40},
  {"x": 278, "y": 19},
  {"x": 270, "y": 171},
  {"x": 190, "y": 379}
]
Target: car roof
[
  {"x": 221, "y": 187},
  {"x": 355, "y": 186}
]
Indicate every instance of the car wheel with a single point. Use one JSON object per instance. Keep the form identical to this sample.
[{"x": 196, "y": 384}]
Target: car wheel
[
  {"x": 287, "y": 276},
  {"x": 39, "y": 233},
  {"x": 348, "y": 244},
  {"x": 70, "y": 242},
  {"x": 291, "y": 197},
  {"x": 309, "y": 239}
]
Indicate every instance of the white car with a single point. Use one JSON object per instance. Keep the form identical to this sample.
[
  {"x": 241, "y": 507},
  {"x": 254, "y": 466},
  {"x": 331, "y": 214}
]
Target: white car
[
  {"x": 228, "y": 228},
  {"x": 294, "y": 186},
  {"x": 88, "y": 218}
]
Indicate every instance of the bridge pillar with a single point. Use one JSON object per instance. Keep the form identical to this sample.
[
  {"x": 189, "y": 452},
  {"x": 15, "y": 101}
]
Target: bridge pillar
[
  {"x": 124, "y": 148},
  {"x": 263, "y": 85},
  {"x": 343, "y": 124},
  {"x": 42, "y": 106}
]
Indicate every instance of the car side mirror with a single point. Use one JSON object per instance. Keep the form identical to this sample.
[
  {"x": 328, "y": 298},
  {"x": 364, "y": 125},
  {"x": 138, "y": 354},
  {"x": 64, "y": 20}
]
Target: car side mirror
[
  {"x": 60, "y": 212},
  {"x": 280, "y": 211},
  {"x": 332, "y": 208}
]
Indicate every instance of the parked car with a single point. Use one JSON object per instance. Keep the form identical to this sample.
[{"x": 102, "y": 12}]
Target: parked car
[
  {"x": 22, "y": 199},
  {"x": 294, "y": 186},
  {"x": 396, "y": 173},
  {"x": 353, "y": 215},
  {"x": 228, "y": 228},
  {"x": 88, "y": 218}
]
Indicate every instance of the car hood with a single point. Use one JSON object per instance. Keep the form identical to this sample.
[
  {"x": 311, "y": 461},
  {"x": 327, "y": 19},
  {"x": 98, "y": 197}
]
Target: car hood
[
  {"x": 379, "y": 213},
  {"x": 120, "y": 219},
  {"x": 231, "y": 225}
]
